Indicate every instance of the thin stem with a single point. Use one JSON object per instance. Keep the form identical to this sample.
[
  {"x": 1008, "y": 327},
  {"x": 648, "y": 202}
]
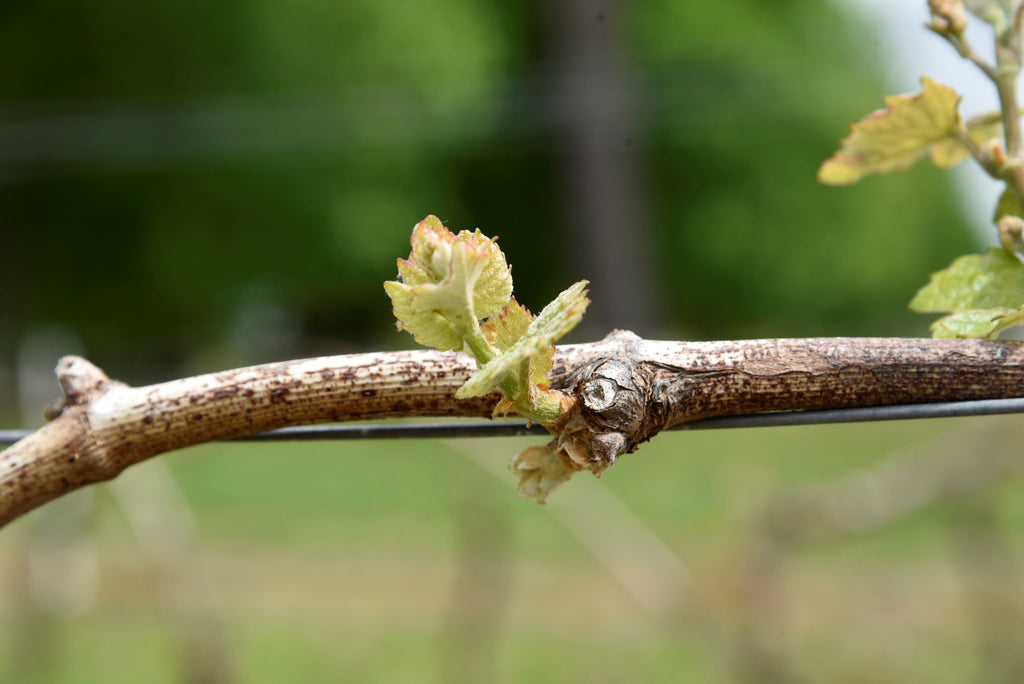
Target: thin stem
[
  {"x": 1004, "y": 76},
  {"x": 1008, "y": 61},
  {"x": 967, "y": 51},
  {"x": 1006, "y": 85},
  {"x": 1008, "y": 167},
  {"x": 479, "y": 347},
  {"x": 484, "y": 353},
  {"x": 986, "y": 162}
]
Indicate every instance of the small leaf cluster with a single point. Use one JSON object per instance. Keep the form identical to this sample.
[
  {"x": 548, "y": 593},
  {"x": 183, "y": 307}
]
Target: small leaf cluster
[
  {"x": 982, "y": 295},
  {"x": 455, "y": 293}
]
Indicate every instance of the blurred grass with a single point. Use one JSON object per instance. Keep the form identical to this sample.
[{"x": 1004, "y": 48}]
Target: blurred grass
[{"x": 347, "y": 562}]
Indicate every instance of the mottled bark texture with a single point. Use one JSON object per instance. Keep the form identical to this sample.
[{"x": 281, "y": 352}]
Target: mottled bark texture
[
  {"x": 631, "y": 388},
  {"x": 622, "y": 391}
]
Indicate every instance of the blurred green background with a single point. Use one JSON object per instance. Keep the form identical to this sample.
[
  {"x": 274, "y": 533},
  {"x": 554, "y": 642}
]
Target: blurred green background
[{"x": 186, "y": 187}]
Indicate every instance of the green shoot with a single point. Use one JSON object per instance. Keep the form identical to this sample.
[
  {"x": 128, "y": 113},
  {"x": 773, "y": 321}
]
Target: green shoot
[{"x": 455, "y": 293}]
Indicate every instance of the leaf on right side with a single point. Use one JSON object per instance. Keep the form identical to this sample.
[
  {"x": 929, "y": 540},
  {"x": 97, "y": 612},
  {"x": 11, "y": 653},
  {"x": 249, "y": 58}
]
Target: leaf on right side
[
  {"x": 984, "y": 324},
  {"x": 893, "y": 138},
  {"x": 983, "y": 293}
]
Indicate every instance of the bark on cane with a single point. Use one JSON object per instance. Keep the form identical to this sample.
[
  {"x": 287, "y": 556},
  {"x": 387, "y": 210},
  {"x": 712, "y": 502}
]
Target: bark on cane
[{"x": 622, "y": 390}]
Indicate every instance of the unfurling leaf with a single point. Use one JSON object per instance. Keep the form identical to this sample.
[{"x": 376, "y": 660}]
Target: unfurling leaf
[
  {"x": 448, "y": 284},
  {"x": 510, "y": 326},
  {"x": 557, "y": 318},
  {"x": 561, "y": 315},
  {"x": 893, "y": 138}
]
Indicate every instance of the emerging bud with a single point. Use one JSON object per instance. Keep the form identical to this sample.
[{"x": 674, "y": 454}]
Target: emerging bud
[
  {"x": 993, "y": 154},
  {"x": 948, "y": 17},
  {"x": 1011, "y": 233}
]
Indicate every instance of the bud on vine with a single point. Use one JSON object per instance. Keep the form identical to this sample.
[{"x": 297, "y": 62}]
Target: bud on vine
[
  {"x": 993, "y": 155},
  {"x": 948, "y": 17},
  {"x": 1011, "y": 233}
]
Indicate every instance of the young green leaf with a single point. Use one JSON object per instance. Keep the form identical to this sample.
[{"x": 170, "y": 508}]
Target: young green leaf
[
  {"x": 985, "y": 294},
  {"x": 561, "y": 315},
  {"x": 978, "y": 323},
  {"x": 974, "y": 281},
  {"x": 448, "y": 284},
  {"x": 508, "y": 327},
  {"x": 557, "y": 318},
  {"x": 892, "y": 139}
]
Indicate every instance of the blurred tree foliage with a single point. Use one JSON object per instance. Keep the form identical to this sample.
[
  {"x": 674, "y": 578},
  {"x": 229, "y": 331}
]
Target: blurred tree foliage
[
  {"x": 160, "y": 162},
  {"x": 754, "y": 248}
]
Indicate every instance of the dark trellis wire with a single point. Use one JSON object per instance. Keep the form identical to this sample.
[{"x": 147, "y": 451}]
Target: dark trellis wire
[{"x": 985, "y": 407}]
